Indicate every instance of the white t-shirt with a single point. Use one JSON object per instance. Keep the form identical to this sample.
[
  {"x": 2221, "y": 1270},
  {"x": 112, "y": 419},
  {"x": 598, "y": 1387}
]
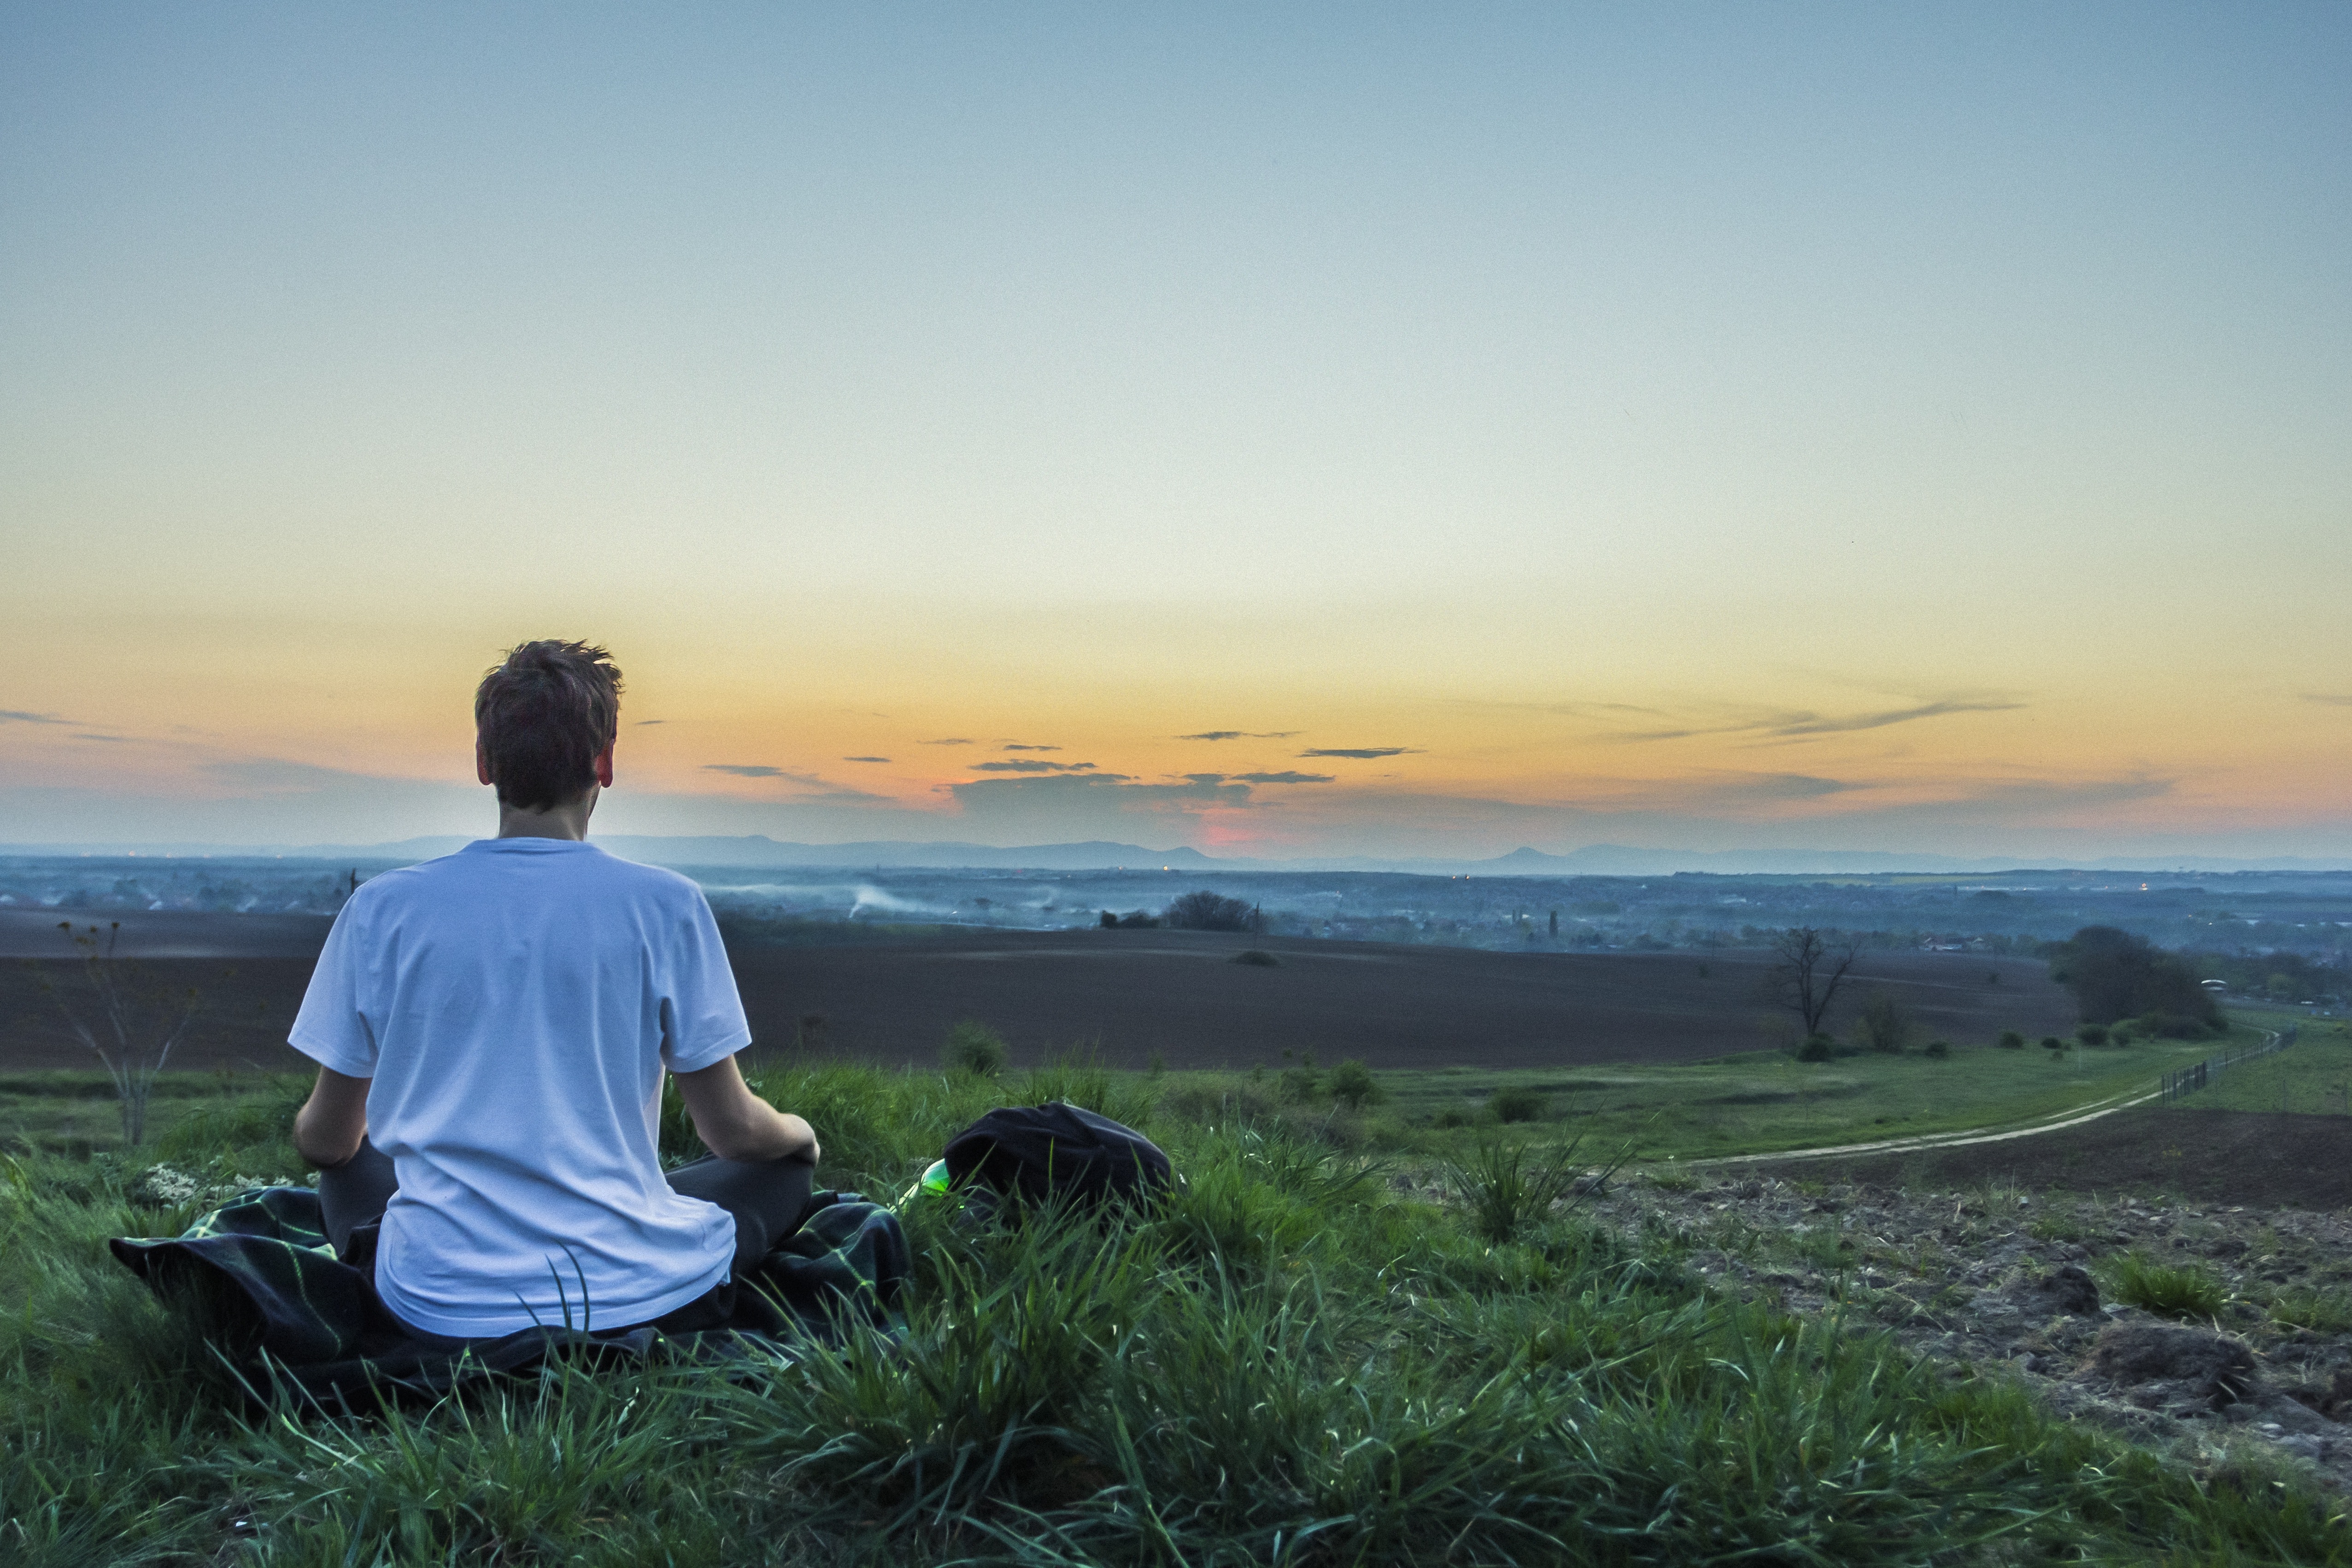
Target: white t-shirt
[{"x": 515, "y": 1005}]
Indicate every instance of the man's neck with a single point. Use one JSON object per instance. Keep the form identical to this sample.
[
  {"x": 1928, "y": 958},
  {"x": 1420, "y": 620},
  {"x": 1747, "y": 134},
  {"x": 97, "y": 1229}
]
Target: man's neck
[{"x": 566, "y": 819}]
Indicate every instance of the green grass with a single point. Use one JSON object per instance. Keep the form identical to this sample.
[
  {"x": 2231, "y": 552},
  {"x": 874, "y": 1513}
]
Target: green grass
[
  {"x": 2312, "y": 1077},
  {"x": 2185, "y": 1290},
  {"x": 1291, "y": 1362},
  {"x": 2309, "y": 1307},
  {"x": 1767, "y": 1101}
]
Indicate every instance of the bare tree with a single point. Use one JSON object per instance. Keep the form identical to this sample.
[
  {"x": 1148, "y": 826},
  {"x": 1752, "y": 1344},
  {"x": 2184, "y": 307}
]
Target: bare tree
[
  {"x": 129, "y": 1022},
  {"x": 1810, "y": 971}
]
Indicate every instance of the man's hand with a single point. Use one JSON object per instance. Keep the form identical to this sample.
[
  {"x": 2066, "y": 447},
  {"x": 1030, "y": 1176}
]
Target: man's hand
[
  {"x": 329, "y": 1126},
  {"x": 738, "y": 1124}
]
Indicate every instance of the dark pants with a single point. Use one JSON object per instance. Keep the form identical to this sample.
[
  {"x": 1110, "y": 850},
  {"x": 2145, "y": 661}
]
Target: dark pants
[{"x": 767, "y": 1197}]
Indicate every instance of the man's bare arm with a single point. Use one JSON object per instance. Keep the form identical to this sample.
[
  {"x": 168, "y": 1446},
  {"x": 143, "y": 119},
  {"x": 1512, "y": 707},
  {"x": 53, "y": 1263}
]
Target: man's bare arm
[
  {"x": 329, "y": 1126},
  {"x": 738, "y": 1124}
]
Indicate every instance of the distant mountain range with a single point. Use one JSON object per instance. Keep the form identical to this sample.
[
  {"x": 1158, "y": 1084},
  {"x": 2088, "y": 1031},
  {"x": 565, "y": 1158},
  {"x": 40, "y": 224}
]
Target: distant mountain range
[{"x": 757, "y": 852}]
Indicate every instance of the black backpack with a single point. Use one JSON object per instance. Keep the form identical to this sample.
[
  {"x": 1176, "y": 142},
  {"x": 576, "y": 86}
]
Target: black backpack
[{"x": 1058, "y": 1151}]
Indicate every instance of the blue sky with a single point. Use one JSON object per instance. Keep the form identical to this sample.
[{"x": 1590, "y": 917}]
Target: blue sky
[{"x": 1469, "y": 381}]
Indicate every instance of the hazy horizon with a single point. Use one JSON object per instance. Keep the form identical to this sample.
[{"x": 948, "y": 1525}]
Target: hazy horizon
[{"x": 1318, "y": 433}]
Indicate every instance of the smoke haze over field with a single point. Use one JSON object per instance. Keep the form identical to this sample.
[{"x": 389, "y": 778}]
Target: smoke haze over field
[{"x": 1294, "y": 434}]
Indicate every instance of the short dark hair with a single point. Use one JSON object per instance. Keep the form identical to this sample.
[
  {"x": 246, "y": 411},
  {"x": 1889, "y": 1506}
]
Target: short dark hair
[{"x": 544, "y": 713}]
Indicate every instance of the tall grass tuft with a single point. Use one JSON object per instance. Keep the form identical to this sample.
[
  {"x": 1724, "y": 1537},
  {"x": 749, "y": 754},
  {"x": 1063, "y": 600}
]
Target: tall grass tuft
[
  {"x": 2186, "y": 1290},
  {"x": 1509, "y": 1184}
]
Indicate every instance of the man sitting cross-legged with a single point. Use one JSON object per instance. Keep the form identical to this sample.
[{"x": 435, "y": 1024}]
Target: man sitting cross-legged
[{"x": 491, "y": 1029}]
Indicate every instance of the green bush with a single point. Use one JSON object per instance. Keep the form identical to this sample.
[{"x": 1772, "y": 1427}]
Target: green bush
[
  {"x": 973, "y": 1048},
  {"x": 1516, "y": 1102},
  {"x": 1883, "y": 1023},
  {"x": 2185, "y": 1291},
  {"x": 2053, "y": 1044},
  {"x": 1817, "y": 1048},
  {"x": 2010, "y": 1040},
  {"x": 1300, "y": 1084},
  {"x": 1939, "y": 1049},
  {"x": 2092, "y": 1034},
  {"x": 1353, "y": 1086}
]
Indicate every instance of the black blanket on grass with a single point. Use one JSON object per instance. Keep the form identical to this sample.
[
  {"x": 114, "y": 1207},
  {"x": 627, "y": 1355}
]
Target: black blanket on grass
[{"x": 266, "y": 1288}]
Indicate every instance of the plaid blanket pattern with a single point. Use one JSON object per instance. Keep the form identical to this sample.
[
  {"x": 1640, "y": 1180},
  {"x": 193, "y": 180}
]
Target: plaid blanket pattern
[{"x": 266, "y": 1288}]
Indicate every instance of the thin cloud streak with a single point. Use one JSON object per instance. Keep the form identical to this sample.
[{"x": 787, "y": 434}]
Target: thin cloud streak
[
  {"x": 1801, "y": 723},
  {"x": 1240, "y": 735},
  {"x": 15, "y": 716},
  {"x": 1362, "y": 753},
  {"x": 1032, "y": 765},
  {"x": 865, "y": 759}
]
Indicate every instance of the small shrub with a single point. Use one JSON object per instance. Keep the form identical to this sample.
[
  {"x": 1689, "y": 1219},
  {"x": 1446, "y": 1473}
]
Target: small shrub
[
  {"x": 1353, "y": 1086},
  {"x": 1300, "y": 1084},
  {"x": 975, "y": 1048},
  {"x": 1205, "y": 911},
  {"x": 2010, "y": 1040},
  {"x": 1257, "y": 958},
  {"x": 1817, "y": 1048},
  {"x": 1939, "y": 1049},
  {"x": 2053, "y": 1044},
  {"x": 2092, "y": 1034},
  {"x": 1517, "y": 1102},
  {"x": 2187, "y": 1291},
  {"x": 1458, "y": 1114},
  {"x": 1885, "y": 1025}
]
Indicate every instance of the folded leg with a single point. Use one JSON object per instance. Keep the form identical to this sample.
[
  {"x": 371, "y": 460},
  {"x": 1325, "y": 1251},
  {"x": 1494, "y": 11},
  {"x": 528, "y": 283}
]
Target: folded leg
[
  {"x": 767, "y": 1197},
  {"x": 354, "y": 1193}
]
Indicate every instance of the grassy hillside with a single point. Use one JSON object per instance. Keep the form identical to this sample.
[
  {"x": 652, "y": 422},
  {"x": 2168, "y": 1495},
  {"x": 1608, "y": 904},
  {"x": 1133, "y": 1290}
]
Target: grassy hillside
[
  {"x": 1297, "y": 1360},
  {"x": 2312, "y": 1077}
]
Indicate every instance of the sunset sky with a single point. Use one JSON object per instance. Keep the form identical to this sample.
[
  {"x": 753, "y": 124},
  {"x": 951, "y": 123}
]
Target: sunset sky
[{"x": 1288, "y": 431}]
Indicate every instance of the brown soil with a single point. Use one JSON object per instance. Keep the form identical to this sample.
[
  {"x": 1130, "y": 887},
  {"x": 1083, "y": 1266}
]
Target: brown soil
[
  {"x": 1179, "y": 996},
  {"x": 248, "y": 1004},
  {"x": 2252, "y": 1157},
  {"x": 1133, "y": 994}
]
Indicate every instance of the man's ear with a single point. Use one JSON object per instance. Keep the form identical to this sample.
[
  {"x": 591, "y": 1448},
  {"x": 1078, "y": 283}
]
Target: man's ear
[
  {"x": 481, "y": 762},
  {"x": 604, "y": 765}
]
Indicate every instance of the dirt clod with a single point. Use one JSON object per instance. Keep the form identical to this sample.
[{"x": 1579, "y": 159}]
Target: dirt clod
[
  {"x": 2198, "y": 1364},
  {"x": 2070, "y": 1290}
]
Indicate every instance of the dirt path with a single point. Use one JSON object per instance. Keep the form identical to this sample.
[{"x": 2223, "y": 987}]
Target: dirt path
[{"x": 2075, "y": 1117}]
